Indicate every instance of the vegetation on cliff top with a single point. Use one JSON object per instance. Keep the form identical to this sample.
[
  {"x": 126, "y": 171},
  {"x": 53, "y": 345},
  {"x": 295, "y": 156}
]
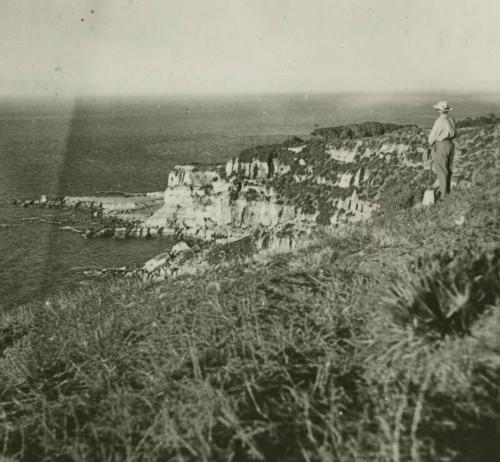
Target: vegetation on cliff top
[
  {"x": 355, "y": 131},
  {"x": 478, "y": 121},
  {"x": 350, "y": 350}
]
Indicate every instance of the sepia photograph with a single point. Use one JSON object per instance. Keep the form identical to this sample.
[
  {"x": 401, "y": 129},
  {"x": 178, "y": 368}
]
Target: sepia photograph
[{"x": 249, "y": 231}]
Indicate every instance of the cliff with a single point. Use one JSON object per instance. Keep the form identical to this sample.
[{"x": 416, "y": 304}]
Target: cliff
[{"x": 339, "y": 175}]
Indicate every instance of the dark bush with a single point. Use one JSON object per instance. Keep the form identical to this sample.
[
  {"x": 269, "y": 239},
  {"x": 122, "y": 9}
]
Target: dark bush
[
  {"x": 402, "y": 191},
  {"x": 293, "y": 141},
  {"x": 326, "y": 210},
  {"x": 251, "y": 194}
]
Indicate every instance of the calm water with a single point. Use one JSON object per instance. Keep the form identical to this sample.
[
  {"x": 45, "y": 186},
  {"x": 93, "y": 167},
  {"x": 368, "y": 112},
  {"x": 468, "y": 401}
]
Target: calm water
[{"x": 62, "y": 147}]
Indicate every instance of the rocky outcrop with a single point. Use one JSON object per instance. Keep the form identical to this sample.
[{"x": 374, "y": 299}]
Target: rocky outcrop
[
  {"x": 170, "y": 263},
  {"x": 212, "y": 214},
  {"x": 112, "y": 203}
]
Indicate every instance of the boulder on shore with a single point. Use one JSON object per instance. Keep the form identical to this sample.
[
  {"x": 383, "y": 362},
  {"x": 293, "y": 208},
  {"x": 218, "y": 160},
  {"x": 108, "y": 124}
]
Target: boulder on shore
[
  {"x": 181, "y": 248},
  {"x": 157, "y": 262}
]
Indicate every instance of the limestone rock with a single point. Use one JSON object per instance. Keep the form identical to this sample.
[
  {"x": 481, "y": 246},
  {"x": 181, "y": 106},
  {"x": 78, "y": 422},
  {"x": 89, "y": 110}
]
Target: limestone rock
[
  {"x": 341, "y": 155},
  {"x": 180, "y": 248},
  {"x": 297, "y": 149},
  {"x": 120, "y": 233},
  {"x": 189, "y": 175},
  {"x": 157, "y": 262},
  {"x": 345, "y": 180}
]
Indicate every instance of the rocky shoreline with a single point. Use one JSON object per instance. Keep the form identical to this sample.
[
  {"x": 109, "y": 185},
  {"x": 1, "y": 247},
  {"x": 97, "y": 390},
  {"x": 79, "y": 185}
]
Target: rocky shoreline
[{"x": 276, "y": 197}]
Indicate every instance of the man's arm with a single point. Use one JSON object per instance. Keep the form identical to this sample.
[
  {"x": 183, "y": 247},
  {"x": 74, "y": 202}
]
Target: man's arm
[{"x": 433, "y": 133}]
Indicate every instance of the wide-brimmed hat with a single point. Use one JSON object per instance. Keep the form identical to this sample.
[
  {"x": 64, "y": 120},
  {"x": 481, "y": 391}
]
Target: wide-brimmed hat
[{"x": 443, "y": 106}]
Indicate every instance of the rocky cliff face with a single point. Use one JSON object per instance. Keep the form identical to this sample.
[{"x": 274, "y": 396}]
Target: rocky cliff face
[
  {"x": 337, "y": 176},
  {"x": 224, "y": 209}
]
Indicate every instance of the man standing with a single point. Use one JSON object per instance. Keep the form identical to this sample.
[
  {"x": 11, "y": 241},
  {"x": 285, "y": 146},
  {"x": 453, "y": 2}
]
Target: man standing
[{"x": 441, "y": 141}]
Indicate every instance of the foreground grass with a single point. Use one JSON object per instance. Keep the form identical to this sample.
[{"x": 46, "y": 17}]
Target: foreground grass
[{"x": 352, "y": 350}]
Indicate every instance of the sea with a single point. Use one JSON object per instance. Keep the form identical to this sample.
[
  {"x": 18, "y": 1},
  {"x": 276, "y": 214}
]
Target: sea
[{"x": 86, "y": 145}]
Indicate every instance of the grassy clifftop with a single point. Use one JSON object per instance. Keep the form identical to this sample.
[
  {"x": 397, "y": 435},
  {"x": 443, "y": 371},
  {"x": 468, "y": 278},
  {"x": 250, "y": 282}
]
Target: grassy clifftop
[
  {"x": 355, "y": 131},
  {"x": 379, "y": 342}
]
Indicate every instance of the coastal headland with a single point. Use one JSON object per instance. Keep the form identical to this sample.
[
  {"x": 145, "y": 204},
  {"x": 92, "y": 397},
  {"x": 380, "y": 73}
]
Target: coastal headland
[{"x": 277, "y": 198}]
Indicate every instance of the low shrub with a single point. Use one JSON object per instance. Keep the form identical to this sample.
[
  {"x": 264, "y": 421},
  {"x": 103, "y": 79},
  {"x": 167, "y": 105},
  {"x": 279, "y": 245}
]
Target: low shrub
[
  {"x": 444, "y": 294},
  {"x": 402, "y": 191}
]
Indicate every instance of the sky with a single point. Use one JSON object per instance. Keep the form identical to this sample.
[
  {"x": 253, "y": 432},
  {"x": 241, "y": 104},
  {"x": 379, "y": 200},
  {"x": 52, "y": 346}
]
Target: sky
[{"x": 75, "y": 47}]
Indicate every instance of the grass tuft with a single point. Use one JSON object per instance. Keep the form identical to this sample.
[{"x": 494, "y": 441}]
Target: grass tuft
[{"x": 445, "y": 294}]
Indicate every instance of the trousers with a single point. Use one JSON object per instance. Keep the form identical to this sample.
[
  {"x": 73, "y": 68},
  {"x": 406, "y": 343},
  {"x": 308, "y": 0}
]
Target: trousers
[{"x": 442, "y": 157}]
